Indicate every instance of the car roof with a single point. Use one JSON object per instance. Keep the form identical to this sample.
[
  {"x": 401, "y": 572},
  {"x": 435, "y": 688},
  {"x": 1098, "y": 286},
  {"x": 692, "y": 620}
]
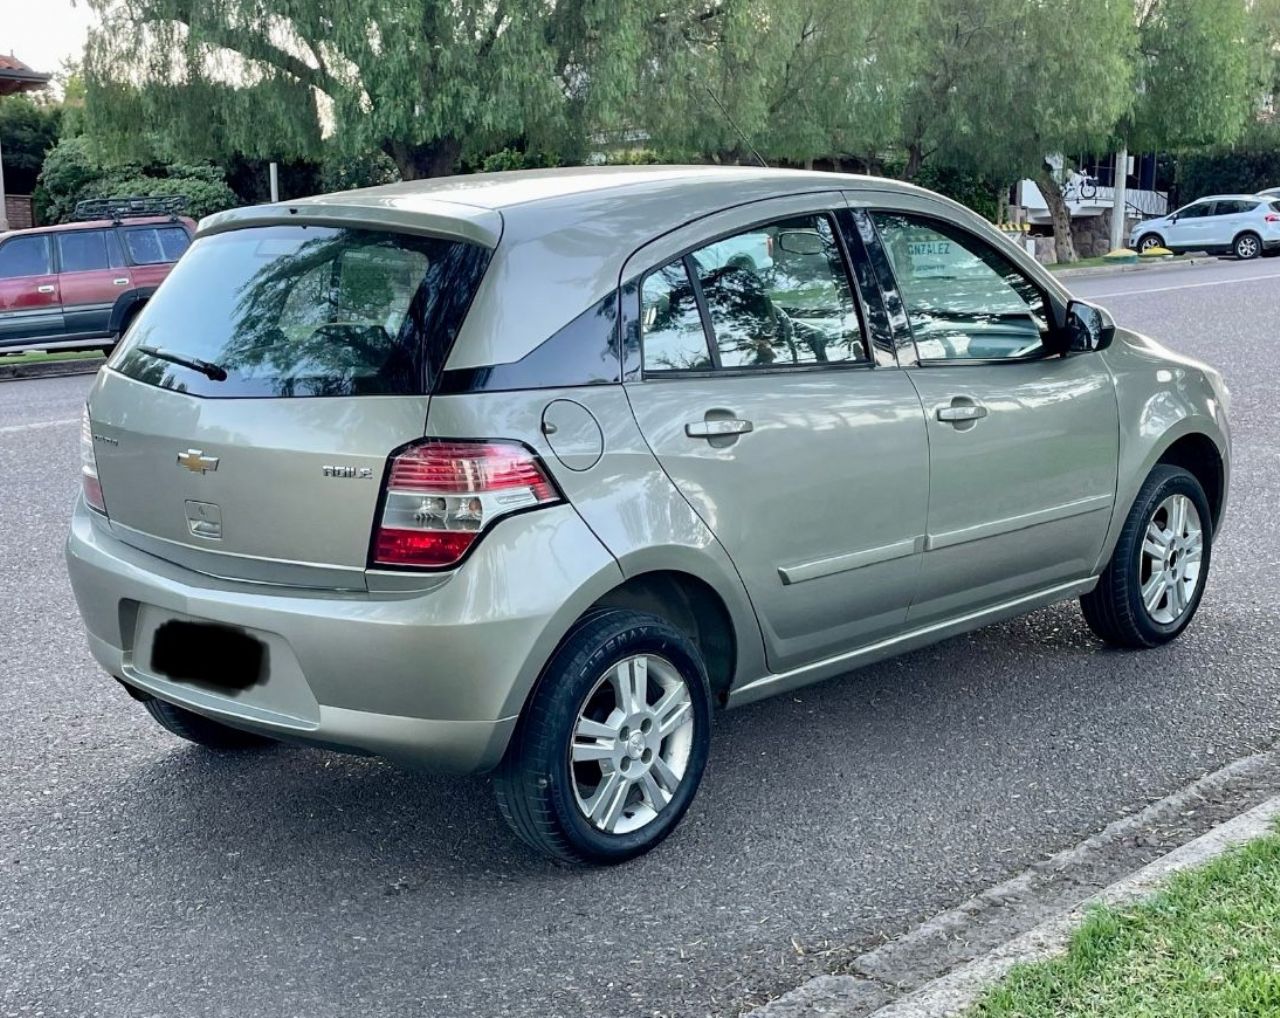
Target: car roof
[
  {"x": 98, "y": 224},
  {"x": 1226, "y": 197},
  {"x": 561, "y": 237}
]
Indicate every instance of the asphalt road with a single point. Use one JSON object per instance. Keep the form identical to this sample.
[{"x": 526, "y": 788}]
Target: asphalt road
[{"x": 140, "y": 876}]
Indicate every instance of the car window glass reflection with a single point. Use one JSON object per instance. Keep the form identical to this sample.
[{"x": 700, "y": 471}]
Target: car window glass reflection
[{"x": 964, "y": 299}]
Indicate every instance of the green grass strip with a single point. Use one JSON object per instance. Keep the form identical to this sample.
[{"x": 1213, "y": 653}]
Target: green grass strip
[{"x": 1207, "y": 946}]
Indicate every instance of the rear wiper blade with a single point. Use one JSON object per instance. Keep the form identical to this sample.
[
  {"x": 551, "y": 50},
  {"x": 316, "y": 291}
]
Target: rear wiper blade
[{"x": 206, "y": 368}]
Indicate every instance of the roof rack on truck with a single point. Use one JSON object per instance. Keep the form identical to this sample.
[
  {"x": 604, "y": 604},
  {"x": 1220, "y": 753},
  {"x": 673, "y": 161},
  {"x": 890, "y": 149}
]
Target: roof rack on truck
[{"x": 117, "y": 209}]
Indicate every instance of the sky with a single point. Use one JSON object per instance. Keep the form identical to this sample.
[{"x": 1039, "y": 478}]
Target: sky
[{"x": 44, "y": 33}]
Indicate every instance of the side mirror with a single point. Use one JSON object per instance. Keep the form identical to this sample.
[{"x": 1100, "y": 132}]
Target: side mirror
[
  {"x": 1089, "y": 328},
  {"x": 800, "y": 242}
]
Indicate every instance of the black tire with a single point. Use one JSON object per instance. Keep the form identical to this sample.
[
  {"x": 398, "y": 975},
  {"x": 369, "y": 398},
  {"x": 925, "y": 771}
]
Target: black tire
[
  {"x": 1149, "y": 240},
  {"x": 125, "y": 322},
  {"x": 201, "y": 730},
  {"x": 1247, "y": 246},
  {"x": 1114, "y": 609},
  {"x": 535, "y": 783}
]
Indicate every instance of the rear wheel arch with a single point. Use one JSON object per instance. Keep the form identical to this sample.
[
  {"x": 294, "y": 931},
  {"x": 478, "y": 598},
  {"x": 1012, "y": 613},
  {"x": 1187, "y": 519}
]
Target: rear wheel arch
[
  {"x": 691, "y": 605},
  {"x": 126, "y": 308}
]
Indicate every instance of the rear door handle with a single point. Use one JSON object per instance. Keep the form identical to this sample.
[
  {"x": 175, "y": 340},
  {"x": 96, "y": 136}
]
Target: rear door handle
[
  {"x": 47, "y": 288},
  {"x": 119, "y": 282},
  {"x": 717, "y": 427},
  {"x": 962, "y": 412}
]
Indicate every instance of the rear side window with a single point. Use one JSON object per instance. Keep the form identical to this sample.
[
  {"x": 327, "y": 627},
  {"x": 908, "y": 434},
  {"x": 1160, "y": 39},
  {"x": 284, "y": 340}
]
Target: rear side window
[
  {"x": 306, "y": 311},
  {"x": 774, "y": 296},
  {"x": 156, "y": 245},
  {"x": 24, "y": 256},
  {"x": 83, "y": 251}
]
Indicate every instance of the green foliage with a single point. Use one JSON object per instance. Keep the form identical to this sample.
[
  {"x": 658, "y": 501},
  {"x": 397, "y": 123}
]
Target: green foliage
[
  {"x": 972, "y": 190},
  {"x": 28, "y": 129},
  {"x": 1250, "y": 166},
  {"x": 1208, "y": 944},
  {"x": 1198, "y": 73},
  {"x": 74, "y": 170},
  {"x": 344, "y": 172}
]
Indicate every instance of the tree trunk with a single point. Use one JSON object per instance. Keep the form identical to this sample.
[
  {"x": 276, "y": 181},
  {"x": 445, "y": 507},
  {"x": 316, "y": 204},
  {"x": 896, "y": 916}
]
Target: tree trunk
[
  {"x": 915, "y": 159},
  {"x": 1063, "y": 245},
  {"x": 434, "y": 159}
]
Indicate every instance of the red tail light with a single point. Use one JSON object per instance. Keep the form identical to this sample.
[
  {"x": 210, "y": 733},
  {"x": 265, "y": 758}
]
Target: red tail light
[
  {"x": 1272, "y": 217},
  {"x": 89, "y": 482},
  {"x": 441, "y": 496}
]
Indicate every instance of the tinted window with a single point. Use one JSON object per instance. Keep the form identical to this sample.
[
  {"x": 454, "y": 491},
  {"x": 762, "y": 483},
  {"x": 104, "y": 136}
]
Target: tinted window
[
  {"x": 671, "y": 327},
  {"x": 307, "y": 311},
  {"x": 791, "y": 304},
  {"x": 24, "y": 256},
  {"x": 155, "y": 245},
  {"x": 1194, "y": 211},
  {"x": 83, "y": 251},
  {"x": 964, "y": 299},
  {"x": 1234, "y": 207}
]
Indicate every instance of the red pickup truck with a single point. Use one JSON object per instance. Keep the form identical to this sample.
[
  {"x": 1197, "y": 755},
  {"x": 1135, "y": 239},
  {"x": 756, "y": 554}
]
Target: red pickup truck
[{"x": 81, "y": 284}]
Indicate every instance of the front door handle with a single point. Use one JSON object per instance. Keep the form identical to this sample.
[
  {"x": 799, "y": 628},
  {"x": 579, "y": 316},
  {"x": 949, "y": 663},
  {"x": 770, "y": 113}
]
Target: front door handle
[
  {"x": 960, "y": 412},
  {"x": 47, "y": 288},
  {"x": 120, "y": 282},
  {"x": 717, "y": 428}
]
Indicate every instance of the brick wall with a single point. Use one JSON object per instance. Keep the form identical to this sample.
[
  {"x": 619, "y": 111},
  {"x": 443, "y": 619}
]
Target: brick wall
[{"x": 19, "y": 211}]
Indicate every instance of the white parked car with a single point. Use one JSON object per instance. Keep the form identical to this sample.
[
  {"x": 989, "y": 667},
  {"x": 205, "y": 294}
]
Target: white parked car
[{"x": 1246, "y": 225}]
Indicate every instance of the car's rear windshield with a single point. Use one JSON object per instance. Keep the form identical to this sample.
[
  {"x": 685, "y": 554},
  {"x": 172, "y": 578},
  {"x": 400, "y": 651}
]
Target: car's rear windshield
[{"x": 280, "y": 311}]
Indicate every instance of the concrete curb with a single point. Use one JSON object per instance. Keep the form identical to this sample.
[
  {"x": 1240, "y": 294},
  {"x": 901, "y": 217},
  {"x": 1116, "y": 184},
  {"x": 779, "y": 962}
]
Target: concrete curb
[
  {"x": 952, "y": 993},
  {"x": 972, "y": 944},
  {"x": 1114, "y": 270},
  {"x": 50, "y": 369}
]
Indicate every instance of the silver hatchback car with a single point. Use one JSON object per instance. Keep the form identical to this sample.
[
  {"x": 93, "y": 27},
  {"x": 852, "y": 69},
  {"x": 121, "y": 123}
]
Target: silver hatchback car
[{"x": 532, "y": 471}]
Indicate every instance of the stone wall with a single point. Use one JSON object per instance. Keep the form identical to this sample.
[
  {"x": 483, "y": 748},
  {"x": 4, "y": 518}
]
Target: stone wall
[{"x": 1092, "y": 236}]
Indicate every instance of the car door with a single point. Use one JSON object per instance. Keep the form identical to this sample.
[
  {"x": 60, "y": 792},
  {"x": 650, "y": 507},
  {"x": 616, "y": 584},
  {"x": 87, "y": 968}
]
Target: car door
[
  {"x": 91, "y": 275},
  {"x": 1189, "y": 229},
  {"x": 1023, "y": 444},
  {"x": 1230, "y": 216},
  {"x": 30, "y": 308},
  {"x": 764, "y": 402}
]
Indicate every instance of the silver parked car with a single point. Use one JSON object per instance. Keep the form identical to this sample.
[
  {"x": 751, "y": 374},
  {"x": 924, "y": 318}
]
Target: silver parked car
[
  {"x": 515, "y": 471},
  {"x": 1245, "y": 225}
]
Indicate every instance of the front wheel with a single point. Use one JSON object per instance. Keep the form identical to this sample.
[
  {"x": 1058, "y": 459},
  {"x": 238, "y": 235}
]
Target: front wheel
[
  {"x": 611, "y": 747},
  {"x": 1148, "y": 241},
  {"x": 1152, "y": 586},
  {"x": 1247, "y": 246}
]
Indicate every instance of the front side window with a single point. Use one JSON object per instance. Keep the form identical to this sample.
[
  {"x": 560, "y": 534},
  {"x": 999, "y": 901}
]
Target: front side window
[
  {"x": 1196, "y": 211},
  {"x": 24, "y": 256},
  {"x": 773, "y": 296},
  {"x": 306, "y": 311},
  {"x": 83, "y": 251},
  {"x": 964, "y": 299}
]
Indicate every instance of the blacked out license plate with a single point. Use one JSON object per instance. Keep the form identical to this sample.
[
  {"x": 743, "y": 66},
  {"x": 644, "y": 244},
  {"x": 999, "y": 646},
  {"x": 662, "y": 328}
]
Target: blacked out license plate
[{"x": 208, "y": 654}]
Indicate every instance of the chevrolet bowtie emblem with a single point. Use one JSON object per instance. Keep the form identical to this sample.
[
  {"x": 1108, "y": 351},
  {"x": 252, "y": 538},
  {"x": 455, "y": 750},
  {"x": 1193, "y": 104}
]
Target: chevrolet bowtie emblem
[{"x": 197, "y": 462}]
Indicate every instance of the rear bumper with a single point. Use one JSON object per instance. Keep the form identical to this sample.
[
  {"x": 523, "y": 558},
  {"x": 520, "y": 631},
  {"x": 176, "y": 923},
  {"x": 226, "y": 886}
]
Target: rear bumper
[{"x": 433, "y": 678}]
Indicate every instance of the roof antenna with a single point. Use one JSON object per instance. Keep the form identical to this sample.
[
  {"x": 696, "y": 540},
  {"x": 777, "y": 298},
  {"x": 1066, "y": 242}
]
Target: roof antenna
[{"x": 741, "y": 134}]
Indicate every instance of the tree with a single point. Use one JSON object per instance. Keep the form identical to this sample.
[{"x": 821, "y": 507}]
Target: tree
[
  {"x": 1000, "y": 85},
  {"x": 792, "y": 82},
  {"x": 28, "y": 130},
  {"x": 425, "y": 81}
]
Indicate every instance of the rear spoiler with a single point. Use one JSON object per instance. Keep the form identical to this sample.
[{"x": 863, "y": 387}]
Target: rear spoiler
[{"x": 118, "y": 209}]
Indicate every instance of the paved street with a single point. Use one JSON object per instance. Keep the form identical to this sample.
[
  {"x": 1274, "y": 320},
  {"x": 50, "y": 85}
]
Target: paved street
[{"x": 140, "y": 876}]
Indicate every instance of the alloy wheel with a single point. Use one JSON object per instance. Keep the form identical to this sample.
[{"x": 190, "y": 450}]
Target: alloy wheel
[
  {"x": 1172, "y": 549},
  {"x": 1247, "y": 247},
  {"x": 631, "y": 743}
]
